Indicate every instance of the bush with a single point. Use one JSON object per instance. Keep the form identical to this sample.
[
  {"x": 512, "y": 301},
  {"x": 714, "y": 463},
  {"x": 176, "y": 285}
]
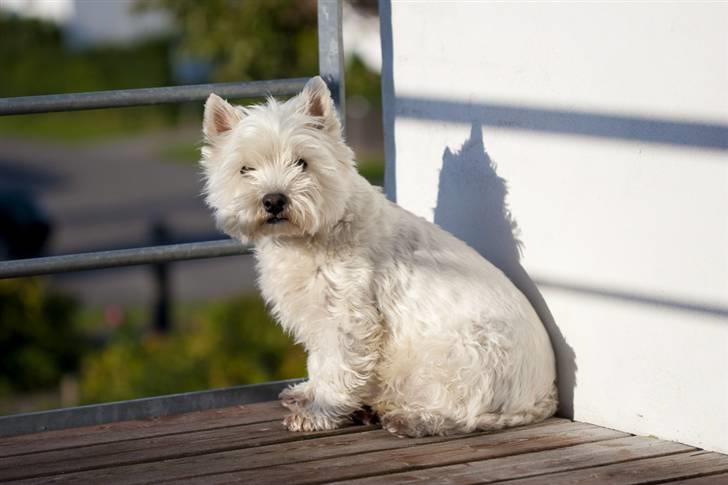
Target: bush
[
  {"x": 39, "y": 341},
  {"x": 215, "y": 345}
]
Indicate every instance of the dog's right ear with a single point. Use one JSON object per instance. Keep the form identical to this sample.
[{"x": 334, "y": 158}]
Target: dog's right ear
[
  {"x": 220, "y": 117},
  {"x": 319, "y": 104}
]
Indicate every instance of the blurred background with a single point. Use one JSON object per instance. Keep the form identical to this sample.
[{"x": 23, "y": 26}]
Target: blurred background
[{"x": 121, "y": 178}]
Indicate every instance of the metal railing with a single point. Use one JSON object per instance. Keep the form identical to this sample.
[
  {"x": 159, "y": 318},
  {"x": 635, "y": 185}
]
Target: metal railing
[
  {"x": 331, "y": 69},
  {"x": 147, "y": 96}
]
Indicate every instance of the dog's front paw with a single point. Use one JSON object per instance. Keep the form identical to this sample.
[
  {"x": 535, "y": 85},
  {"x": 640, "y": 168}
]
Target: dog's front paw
[
  {"x": 306, "y": 422},
  {"x": 294, "y": 398}
]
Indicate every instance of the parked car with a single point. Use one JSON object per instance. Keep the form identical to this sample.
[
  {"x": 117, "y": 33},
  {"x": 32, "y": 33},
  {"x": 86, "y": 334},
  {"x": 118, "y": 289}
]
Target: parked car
[{"x": 25, "y": 227}]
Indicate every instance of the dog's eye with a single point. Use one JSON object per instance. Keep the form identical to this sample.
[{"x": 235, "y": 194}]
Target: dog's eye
[
  {"x": 302, "y": 163},
  {"x": 244, "y": 170}
]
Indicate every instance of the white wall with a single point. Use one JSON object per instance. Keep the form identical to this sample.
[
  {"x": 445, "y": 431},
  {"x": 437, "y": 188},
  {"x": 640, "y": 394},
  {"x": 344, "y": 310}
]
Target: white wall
[{"x": 606, "y": 132}]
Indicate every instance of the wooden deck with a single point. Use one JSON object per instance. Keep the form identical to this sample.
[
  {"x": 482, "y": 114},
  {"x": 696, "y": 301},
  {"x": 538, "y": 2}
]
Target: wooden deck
[{"x": 248, "y": 444}]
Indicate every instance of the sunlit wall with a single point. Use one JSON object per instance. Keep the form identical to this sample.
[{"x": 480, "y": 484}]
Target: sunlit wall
[{"x": 583, "y": 149}]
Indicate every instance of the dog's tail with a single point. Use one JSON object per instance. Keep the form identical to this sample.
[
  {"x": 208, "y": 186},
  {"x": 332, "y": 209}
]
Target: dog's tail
[{"x": 542, "y": 410}]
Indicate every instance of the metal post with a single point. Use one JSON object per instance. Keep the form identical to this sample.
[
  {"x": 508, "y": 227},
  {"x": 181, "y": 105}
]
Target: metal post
[
  {"x": 160, "y": 272},
  {"x": 331, "y": 53}
]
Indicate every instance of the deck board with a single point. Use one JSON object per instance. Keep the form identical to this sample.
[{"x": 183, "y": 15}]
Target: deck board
[
  {"x": 153, "y": 449},
  {"x": 114, "y": 432},
  {"x": 248, "y": 444},
  {"x": 651, "y": 470},
  {"x": 542, "y": 462}
]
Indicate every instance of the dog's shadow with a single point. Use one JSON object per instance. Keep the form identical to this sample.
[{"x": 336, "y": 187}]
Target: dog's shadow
[{"x": 472, "y": 205}]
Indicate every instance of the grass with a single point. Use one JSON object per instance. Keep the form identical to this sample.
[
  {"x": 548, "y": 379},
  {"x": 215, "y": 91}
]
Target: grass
[
  {"x": 182, "y": 152},
  {"x": 80, "y": 127}
]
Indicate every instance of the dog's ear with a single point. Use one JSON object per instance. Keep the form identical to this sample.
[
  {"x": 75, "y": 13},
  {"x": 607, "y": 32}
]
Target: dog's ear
[
  {"x": 220, "y": 117},
  {"x": 319, "y": 104}
]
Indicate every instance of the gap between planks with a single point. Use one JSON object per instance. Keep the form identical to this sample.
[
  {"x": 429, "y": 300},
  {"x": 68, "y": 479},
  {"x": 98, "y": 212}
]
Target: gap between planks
[
  {"x": 339, "y": 441},
  {"x": 156, "y": 448},
  {"x": 651, "y": 461},
  {"x": 539, "y": 463},
  {"x": 335, "y": 463},
  {"x": 662, "y": 469},
  {"x": 705, "y": 479}
]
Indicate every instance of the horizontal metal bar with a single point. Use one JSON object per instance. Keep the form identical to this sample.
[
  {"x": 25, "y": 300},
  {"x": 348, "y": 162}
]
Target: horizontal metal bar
[
  {"x": 150, "y": 407},
  {"x": 147, "y": 96},
  {"x": 121, "y": 257}
]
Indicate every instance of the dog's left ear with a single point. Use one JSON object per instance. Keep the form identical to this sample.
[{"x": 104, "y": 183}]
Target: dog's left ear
[
  {"x": 318, "y": 103},
  {"x": 220, "y": 117}
]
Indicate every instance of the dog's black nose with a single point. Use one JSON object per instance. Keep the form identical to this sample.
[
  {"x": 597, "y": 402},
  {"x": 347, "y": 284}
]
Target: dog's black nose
[{"x": 274, "y": 203}]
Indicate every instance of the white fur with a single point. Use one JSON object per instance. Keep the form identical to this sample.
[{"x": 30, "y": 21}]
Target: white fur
[{"x": 394, "y": 312}]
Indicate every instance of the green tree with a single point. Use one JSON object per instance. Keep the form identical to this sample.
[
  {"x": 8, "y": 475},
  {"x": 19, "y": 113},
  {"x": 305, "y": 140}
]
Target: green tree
[{"x": 259, "y": 39}]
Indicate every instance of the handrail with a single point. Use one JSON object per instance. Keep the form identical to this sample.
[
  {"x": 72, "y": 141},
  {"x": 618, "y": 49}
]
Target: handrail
[
  {"x": 121, "y": 257},
  {"x": 146, "y": 96}
]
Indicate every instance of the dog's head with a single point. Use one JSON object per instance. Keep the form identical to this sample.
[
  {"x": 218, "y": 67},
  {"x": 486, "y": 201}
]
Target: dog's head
[{"x": 276, "y": 169}]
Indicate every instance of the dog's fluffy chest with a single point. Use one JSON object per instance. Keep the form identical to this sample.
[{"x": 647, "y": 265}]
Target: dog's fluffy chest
[{"x": 296, "y": 283}]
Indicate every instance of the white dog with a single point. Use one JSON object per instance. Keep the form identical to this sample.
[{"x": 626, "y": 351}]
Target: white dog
[{"x": 394, "y": 312}]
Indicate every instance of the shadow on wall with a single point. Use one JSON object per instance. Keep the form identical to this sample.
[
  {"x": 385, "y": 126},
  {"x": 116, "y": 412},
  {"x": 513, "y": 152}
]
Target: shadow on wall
[{"x": 472, "y": 205}]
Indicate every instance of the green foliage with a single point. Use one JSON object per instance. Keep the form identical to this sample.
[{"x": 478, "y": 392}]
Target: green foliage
[
  {"x": 373, "y": 171},
  {"x": 360, "y": 81},
  {"x": 259, "y": 39},
  {"x": 216, "y": 345},
  {"x": 254, "y": 39},
  {"x": 35, "y": 61},
  {"x": 39, "y": 341}
]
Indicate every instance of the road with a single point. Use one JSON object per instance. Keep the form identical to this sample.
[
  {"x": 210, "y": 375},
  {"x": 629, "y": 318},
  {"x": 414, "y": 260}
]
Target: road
[{"x": 107, "y": 196}]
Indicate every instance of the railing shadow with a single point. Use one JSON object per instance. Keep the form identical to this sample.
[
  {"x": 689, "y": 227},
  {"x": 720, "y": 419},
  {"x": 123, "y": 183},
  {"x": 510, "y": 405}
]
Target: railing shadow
[
  {"x": 472, "y": 205},
  {"x": 662, "y": 131}
]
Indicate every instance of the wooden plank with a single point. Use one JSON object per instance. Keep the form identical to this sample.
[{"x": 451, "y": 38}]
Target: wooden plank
[
  {"x": 539, "y": 463},
  {"x": 482, "y": 447},
  {"x": 719, "y": 479},
  {"x": 650, "y": 470},
  {"x": 260, "y": 457},
  {"x": 128, "y": 430},
  {"x": 154, "y": 448},
  {"x": 142, "y": 408}
]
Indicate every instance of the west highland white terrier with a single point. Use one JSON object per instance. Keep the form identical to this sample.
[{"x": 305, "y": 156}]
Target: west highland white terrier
[{"x": 395, "y": 313}]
